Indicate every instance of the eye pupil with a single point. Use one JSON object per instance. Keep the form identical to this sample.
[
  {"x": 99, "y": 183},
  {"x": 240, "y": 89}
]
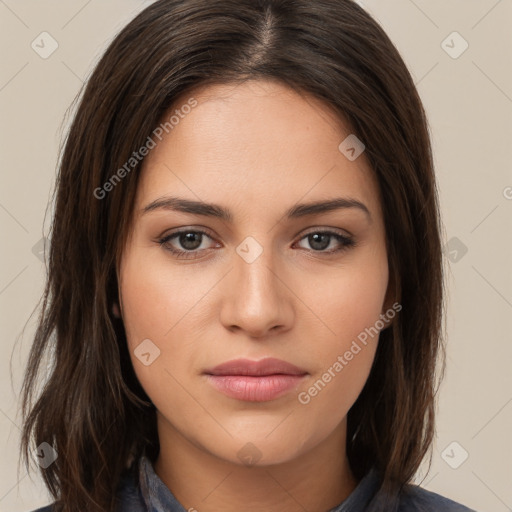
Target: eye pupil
[
  {"x": 316, "y": 238},
  {"x": 187, "y": 239}
]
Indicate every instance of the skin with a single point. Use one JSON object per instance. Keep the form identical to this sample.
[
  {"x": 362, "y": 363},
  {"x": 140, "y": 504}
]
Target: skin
[{"x": 257, "y": 149}]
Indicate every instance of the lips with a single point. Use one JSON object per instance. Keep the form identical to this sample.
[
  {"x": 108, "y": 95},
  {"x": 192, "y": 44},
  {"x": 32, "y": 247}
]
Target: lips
[
  {"x": 267, "y": 366},
  {"x": 255, "y": 381}
]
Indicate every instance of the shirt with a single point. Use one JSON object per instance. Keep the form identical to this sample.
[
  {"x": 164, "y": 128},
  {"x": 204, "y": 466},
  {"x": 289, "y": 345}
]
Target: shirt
[{"x": 143, "y": 491}]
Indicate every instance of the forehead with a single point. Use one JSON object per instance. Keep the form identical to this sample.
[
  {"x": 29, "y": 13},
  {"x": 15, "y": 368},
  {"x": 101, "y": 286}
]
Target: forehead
[{"x": 255, "y": 143}]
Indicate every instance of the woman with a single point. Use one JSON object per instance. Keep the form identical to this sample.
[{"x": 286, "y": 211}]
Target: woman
[{"x": 245, "y": 291}]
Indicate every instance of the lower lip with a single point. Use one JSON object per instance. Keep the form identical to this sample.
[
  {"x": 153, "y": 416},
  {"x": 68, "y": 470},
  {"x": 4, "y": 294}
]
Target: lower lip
[{"x": 254, "y": 388}]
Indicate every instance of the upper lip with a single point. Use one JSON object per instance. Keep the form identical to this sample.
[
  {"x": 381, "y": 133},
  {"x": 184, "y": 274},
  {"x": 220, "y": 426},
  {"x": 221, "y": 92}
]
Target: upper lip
[{"x": 267, "y": 366}]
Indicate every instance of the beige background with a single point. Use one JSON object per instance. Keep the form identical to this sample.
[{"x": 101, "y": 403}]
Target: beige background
[{"x": 469, "y": 103}]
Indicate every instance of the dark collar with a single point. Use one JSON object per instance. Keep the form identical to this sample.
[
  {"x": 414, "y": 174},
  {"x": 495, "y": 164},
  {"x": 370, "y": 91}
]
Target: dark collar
[{"x": 158, "y": 498}]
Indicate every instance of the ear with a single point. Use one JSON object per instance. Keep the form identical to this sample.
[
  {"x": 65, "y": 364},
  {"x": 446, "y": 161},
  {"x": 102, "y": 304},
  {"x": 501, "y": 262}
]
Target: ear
[{"x": 115, "y": 310}]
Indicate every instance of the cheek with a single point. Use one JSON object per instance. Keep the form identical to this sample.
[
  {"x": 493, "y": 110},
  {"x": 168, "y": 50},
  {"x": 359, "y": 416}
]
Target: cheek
[
  {"x": 349, "y": 303},
  {"x": 350, "y": 306},
  {"x": 155, "y": 299},
  {"x": 160, "y": 306}
]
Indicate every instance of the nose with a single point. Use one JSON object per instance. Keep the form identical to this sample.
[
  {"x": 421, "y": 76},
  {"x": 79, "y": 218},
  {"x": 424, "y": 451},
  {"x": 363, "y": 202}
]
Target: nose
[{"x": 256, "y": 299}]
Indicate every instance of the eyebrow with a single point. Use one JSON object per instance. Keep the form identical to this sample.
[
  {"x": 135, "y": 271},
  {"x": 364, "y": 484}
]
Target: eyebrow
[{"x": 214, "y": 210}]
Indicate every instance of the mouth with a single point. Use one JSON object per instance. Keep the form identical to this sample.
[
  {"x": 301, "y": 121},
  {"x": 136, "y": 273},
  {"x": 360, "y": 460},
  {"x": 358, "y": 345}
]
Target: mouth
[{"x": 255, "y": 381}]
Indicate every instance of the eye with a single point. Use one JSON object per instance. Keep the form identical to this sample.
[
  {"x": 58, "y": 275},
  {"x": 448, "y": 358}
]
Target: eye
[
  {"x": 320, "y": 240},
  {"x": 191, "y": 241}
]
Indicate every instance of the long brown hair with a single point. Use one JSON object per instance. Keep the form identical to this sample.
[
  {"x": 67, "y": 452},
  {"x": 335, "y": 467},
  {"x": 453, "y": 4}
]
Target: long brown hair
[{"x": 91, "y": 408}]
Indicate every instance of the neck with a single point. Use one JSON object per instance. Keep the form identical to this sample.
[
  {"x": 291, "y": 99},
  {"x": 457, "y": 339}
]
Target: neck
[{"x": 319, "y": 479}]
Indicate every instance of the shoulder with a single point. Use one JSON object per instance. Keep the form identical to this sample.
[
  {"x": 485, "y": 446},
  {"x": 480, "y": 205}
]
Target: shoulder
[
  {"x": 48, "y": 508},
  {"x": 414, "y": 497}
]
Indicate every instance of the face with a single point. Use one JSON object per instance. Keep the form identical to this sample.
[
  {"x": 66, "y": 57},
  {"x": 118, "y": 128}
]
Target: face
[{"x": 269, "y": 279}]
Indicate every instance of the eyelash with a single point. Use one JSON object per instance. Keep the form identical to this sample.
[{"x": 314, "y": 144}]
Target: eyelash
[{"x": 347, "y": 242}]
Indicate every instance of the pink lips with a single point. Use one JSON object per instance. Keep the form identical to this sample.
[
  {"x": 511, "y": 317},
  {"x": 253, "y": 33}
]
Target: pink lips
[{"x": 255, "y": 381}]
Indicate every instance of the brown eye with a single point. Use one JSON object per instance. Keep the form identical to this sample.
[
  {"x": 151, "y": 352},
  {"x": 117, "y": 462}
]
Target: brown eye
[{"x": 188, "y": 239}]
